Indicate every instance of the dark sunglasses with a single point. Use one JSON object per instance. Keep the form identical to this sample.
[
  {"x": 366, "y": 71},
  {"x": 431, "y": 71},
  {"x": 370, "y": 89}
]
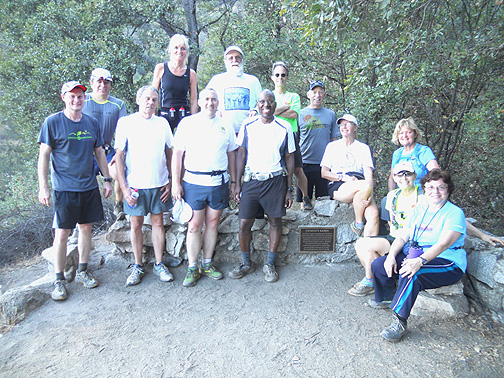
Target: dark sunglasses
[
  {"x": 404, "y": 173},
  {"x": 283, "y": 75}
]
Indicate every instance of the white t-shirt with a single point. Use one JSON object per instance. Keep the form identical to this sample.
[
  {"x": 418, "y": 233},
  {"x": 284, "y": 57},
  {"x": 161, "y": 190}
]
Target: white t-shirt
[
  {"x": 144, "y": 142},
  {"x": 236, "y": 95},
  {"x": 206, "y": 143},
  {"x": 266, "y": 144},
  {"x": 340, "y": 158}
]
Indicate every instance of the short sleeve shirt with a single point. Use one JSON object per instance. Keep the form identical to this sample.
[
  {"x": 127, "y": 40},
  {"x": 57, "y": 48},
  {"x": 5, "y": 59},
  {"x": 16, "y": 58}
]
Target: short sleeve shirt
[
  {"x": 106, "y": 113},
  {"x": 340, "y": 158}
]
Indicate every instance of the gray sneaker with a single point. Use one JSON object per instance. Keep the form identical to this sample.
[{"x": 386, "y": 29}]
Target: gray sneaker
[
  {"x": 86, "y": 278},
  {"x": 307, "y": 205},
  {"x": 119, "y": 210},
  {"x": 271, "y": 274},
  {"x": 162, "y": 271},
  {"x": 135, "y": 276},
  {"x": 381, "y": 305},
  {"x": 360, "y": 290},
  {"x": 59, "y": 293},
  {"x": 241, "y": 270},
  {"x": 395, "y": 331}
]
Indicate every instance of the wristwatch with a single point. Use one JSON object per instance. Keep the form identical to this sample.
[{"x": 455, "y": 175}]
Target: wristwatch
[
  {"x": 423, "y": 260},
  {"x": 107, "y": 179}
]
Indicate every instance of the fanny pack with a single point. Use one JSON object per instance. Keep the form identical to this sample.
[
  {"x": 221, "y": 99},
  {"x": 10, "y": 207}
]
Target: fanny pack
[{"x": 266, "y": 176}]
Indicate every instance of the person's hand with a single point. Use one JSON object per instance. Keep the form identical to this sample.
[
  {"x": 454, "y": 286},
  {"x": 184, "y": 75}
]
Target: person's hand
[
  {"x": 288, "y": 199},
  {"x": 107, "y": 189},
  {"x": 166, "y": 192},
  {"x": 390, "y": 265},
  {"x": 410, "y": 267},
  {"x": 236, "y": 191},
  {"x": 232, "y": 189},
  {"x": 44, "y": 196},
  {"x": 492, "y": 240},
  {"x": 128, "y": 198},
  {"x": 177, "y": 191}
]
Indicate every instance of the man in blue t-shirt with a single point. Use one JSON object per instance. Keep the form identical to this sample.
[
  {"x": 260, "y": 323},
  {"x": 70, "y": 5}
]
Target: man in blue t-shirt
[{"x": 68, "y": 140}]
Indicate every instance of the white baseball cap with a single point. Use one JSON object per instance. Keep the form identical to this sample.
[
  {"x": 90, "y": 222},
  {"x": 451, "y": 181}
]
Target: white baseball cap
[{"x": 349, "y": 118}]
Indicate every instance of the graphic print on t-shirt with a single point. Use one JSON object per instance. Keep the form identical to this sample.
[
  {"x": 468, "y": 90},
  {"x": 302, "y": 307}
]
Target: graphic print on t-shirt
[{"x": 236, "y": 98}]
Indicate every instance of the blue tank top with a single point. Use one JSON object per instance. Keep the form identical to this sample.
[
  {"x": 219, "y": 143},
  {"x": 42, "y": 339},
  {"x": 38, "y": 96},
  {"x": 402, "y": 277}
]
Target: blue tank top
[{"x": 174, "y": 88}]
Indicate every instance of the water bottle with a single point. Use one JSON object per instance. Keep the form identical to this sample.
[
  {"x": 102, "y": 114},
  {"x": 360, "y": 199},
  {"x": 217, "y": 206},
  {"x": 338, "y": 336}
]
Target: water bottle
[
  {"x": 182, "y": 112},
  {"x": 172, "y": 113},
  {"x": 135, "y": 196}
]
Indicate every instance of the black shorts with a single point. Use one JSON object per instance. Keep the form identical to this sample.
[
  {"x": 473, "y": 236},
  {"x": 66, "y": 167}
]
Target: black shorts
[
  {"x": 71, "y": 208},
  {"x": 333, "y": 186},
  {"x": 298, "y": 160},
  {"x": 263, "y": 196}
]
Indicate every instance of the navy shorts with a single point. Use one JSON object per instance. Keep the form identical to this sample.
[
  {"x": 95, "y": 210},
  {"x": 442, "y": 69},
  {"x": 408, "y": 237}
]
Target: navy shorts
[
  {"x": 199, "y": 196},
  {"x": 111, "y": 153},
  {"x": 149, "y": 201},
  {"x": 333, "y": 187},
  {"x": 71, "y": 208},
  {"x": 298, "y": 160},
  {"x": 260, "y": 197}
]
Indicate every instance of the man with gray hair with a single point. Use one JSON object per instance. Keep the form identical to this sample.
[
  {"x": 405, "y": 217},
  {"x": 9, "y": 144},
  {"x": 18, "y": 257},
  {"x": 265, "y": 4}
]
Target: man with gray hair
[
  {"x": 143, "y": 156},
  {"x": 237, "y": 91}
]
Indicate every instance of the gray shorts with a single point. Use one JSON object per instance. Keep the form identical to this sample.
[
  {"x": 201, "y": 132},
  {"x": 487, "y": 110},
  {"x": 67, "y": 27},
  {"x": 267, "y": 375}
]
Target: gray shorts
[{"x": 149, "y": 201}]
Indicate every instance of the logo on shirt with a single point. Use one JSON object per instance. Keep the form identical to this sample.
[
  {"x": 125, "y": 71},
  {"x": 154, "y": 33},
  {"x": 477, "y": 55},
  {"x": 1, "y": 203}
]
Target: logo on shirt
[
  {"x": 312, "y": 122},
  {"x": 236, "y": 99},
  {"x": 79, "y": 135}
]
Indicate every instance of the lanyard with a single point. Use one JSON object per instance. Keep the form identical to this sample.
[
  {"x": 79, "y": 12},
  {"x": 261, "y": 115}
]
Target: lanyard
[{"x": 415, "y": 236}]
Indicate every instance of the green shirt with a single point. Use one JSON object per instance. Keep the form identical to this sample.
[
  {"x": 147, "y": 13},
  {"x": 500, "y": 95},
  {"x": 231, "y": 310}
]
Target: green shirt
[{"x": 292, "y": 100}]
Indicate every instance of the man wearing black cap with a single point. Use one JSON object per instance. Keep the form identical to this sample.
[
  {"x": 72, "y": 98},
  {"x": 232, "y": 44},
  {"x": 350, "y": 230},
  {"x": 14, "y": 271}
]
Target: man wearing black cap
[
  {"x": 317, "y": 127},
  {"x": 237, "y": 91},
  {"x": 69, "y": 139}
]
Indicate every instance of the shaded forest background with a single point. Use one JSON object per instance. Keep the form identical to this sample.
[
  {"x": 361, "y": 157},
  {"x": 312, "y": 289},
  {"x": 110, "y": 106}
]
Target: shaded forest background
[{"x": 439, "y": 61}]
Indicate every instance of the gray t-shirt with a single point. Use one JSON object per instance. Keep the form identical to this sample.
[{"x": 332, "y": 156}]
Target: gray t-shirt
[
  {"x": 106, "y": 113},
  {"x": 72, "y": 145},
  {"x": 316, "y": 129}
]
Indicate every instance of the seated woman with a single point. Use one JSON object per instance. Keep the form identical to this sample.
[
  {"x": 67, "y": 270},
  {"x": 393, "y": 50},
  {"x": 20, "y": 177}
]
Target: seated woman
[
  {"x": 426, "y": 254},
  {"x": 348, "y": 166},
  {"x": 399, "y": 203}
]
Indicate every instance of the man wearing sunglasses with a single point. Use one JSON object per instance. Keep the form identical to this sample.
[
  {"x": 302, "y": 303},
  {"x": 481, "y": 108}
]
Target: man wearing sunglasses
[
  {"x": 288, "y": 107},
  {"x": 237, "y": 91}
]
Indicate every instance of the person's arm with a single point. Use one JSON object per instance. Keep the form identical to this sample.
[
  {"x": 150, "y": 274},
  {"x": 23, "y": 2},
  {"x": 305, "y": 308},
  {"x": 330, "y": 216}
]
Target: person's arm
[
  {"x": 390, "y": 263},
  {"x": 232, "y": 171},
  {"x": 101, "y": 159},
  {"x": 193, "y": 92},
  {"x": 166, "y": 189},
  {"x": 43, "y": 171},
  {"x": 326, "y": 173},
  {"x": 433, "y": 164},
  {"x": 158, "y": 74},
  {"x": 241, "y": 159},
  {"x": 286, "y": 112},
  {"x": 121, "y": 177},
  {"x": 411, "y": 266},
  {"x": 473, "y": 231},
  {"x": 176, "y": 170}
]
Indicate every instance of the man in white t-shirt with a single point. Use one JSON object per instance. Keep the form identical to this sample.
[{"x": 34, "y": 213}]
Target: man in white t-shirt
[
  {"x": 204, "y": 149},
  {"x": 266, "y": 149},
  {"x": 237, "y": 91},
  {"x": 143, "y": 154}
]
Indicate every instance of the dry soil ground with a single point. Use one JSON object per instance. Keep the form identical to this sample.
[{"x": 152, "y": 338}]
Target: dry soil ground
[{"x": 306, "y": 325}]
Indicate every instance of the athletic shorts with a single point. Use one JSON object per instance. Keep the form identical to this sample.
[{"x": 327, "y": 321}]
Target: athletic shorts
[
  {"x": 298, "y": 160},
  {"x": 389, "y": 238},
  {"x": 149, "y": 201},
  {"x": 260, "y": 197},
  {"x": 109, "y": 157},
  {"x": 199, "y": 196},
  {"x": 71, "y": 208},
  {"x": 333, "y": 187}
]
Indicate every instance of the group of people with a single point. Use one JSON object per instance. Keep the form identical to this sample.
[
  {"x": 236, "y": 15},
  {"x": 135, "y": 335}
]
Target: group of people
[{"x": 246, "y": 143}]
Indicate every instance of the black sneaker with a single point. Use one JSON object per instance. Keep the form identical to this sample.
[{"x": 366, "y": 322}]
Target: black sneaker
[
  {"x": 395, "y": 331},
  {"x": 307, "y": 205}
]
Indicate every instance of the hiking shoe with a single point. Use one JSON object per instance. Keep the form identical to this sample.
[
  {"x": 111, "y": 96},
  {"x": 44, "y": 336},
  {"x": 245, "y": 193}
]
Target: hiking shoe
[
  {"x": 210, "y": 271},
  {"x": 191, "y": 277},
  {"x": 271, "y": 274},
  {"x": 241, "y": 270},
  {"x": 307, "y": 205},
  {"x": 86, "y": 278},
  {"x": 358, "y": 231},
  {"x": 135, "y": 277},
  {"x": 383, "y": 304},
  {"x": 162, "y": 271},
  {"x": 360, "y": 290},
  {"x": 119, "y": 210},
  {"x": 395, "y": 331},
  {"x": 59, "y": 293}
]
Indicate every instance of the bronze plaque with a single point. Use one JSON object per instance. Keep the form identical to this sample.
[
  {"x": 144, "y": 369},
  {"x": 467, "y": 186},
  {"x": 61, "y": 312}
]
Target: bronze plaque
[{"x": 320, "y": 239}]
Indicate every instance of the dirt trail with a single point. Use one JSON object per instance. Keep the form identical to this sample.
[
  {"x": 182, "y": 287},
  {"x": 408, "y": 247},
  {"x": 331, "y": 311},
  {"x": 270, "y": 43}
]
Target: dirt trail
[{"x": 306, "y": 325}]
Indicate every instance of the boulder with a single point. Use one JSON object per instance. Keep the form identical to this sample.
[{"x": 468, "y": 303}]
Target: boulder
[{"x": 17, "y": 303}]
